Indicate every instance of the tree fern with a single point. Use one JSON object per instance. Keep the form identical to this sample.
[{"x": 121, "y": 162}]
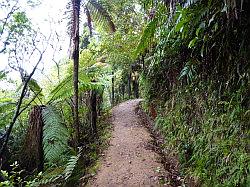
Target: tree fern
[
  {"x": 55, "y": 135},
  {"x": 100, "y": 14},
  {"x": 64, "y": 89}
]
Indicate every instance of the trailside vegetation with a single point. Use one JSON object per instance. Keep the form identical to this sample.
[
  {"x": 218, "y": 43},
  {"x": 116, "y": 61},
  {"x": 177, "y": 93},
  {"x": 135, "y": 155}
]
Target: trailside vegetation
[{"x": 196, "y": 85}]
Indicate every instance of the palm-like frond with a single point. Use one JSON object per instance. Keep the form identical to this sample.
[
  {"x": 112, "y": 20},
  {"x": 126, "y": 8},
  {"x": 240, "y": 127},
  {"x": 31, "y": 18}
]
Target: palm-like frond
[
  {"x": 64, "y": 89},
  {"x": 7, "y": 108},
  {"x": 6, "y": 104},
  {"x": 100, "y": 14},
  {"x": 34, "y": 86},
  {"x": 55, "y": 135}
]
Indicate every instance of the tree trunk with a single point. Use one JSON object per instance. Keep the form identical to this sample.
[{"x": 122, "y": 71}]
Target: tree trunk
[
  {"x": 99, "y": 102},
  {"x": 75, "y": 58},
  {"x": 113, "y": 89},
  {"x": 93, "y": 111},
  {"x": 136, "y": 89},
  {"x": 33, "y": 145},
  {"x": 129, "y": 85},
  {"x": 123, "y": 91}
]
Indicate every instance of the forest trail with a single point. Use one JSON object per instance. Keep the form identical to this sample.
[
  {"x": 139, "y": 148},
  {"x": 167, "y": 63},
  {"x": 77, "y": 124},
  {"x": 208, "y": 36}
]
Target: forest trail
[{"x": 128, "y": 161}]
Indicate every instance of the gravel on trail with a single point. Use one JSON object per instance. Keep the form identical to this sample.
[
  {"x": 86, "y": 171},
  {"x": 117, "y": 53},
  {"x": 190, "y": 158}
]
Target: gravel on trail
[{"x": 128, "y": 161}]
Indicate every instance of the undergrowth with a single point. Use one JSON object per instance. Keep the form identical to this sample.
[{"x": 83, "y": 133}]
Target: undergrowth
[
  {"x": 75, "y": 171},
  {"x": 211, "y": 136}
]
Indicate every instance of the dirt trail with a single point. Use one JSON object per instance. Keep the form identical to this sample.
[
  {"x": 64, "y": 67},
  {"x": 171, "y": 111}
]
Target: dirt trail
[{"x": 128, "y": 161}]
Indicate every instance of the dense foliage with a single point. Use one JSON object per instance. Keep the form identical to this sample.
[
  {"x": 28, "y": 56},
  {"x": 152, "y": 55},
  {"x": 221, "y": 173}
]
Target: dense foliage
[{"x": 197, "y": 71}]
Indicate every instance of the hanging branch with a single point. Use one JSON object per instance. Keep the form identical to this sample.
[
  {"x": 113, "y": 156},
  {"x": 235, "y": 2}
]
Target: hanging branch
[{"x": 23, "y": 109}]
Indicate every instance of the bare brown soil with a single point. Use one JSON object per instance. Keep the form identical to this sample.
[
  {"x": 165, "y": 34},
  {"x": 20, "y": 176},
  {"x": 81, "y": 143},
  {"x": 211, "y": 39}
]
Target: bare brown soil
[{"x": 129, "y": 161}]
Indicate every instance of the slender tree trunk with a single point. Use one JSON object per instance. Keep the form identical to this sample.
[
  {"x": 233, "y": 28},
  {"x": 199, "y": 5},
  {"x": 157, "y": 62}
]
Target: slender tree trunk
[
  {"x": 113, "y": 89},
  {"x": 93, "y": 111},
  {"x": 129, "y": 85},
  {"x": 75, "y": 58},
  {"x": 123, "y": 91}
]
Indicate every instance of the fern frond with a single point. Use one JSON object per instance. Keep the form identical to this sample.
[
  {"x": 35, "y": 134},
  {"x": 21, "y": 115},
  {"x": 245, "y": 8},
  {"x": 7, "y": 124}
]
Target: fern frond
[
  {"x": 6, "y": 104},
  {"x": 71, "y": 165},
  {"x": 59, "y": 175},
  {"x": 49, "y": 177},
  {"x": 64, "y": 89},
  {"x": 100, "y": 14},
  {"x": 55, "y": 135}
]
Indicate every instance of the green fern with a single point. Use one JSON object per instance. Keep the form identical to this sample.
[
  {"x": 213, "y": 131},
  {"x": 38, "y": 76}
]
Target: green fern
[
  {"x": 64, "y": 89},
  {"x": 6, "y": 104},
  {"x": 55, "y": 135},
  {"x": 72, "y": 164},
  {"x": 100, "y": 15},
  {"x": 59, "y": 175},
  {"x": 7, "y": 108}
]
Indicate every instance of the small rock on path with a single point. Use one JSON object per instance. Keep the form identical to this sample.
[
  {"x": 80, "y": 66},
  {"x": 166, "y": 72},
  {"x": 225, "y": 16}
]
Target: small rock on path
[{"x": 128, "y": 161}]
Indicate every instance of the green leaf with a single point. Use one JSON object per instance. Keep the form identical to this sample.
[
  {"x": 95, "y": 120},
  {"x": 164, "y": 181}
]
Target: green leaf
[
  {"x": 201, "y": 27},
  {"x": 202, "y": 50},
  {"x": 192, "y": 42},
  {"x": 180, "y": 25},
  {"x": 3, "y": 74},
  {"x": 146, "y": 37}
]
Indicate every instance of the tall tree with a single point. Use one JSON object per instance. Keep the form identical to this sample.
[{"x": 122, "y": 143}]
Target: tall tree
[
  {"x": 75, "y": 58},
  {"x": 92, "y": 9}
]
